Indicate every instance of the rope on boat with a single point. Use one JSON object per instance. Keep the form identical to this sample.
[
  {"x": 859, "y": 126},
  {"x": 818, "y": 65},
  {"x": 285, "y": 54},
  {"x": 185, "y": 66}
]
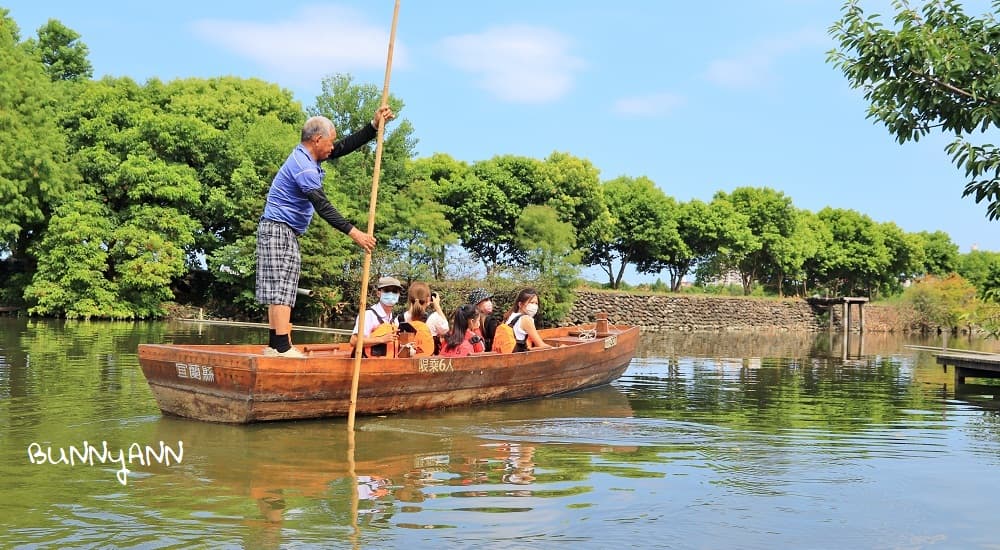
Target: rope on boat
[{"x": 589, "y": 334}]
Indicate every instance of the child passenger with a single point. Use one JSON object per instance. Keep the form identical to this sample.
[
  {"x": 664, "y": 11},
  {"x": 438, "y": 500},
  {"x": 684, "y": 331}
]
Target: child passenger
[{"x": 462, "y": 340}]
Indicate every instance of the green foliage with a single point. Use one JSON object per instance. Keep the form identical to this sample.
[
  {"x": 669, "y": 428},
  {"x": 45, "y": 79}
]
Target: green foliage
[
  {"x": 548, "y": 242},
  {"x": 934, "y": 69},
  {"x": 706, "y": 231},
  {"x": 643, "y": 223},
  {"x": 853, "y": 262},
  {"x": 990, "y": 289},
  {"x": 177, "y": 167},
  {"x": 71, "y": 278},
  {"x": 772, "y": 220},
  {"x": 234, "y": 267},
  {"x": 977, "y": 266},
  {"x": 571, "y": 186},
  {"x": 114, "y": 193},
  {"x": 34, "y": 173},
  {"x": 906, "y": 257},
  {"x": 432, "y": 235},
  {"x": 946, "y": 301},
  {"x": 61, "y": 52},
  {"x": 940, "y": 253},
  {"x": 486, "y": 204}
]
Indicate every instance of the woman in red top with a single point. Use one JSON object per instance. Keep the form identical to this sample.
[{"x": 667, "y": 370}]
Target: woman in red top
[{"x": 462, "y": 340}]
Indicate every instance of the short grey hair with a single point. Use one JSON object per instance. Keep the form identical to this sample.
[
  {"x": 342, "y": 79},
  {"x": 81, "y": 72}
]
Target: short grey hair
[{"x": 316, "y": 126}]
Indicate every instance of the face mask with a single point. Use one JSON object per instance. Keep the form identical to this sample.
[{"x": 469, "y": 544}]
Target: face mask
[
  {"x": 486, "y": 307},
  {"x": 531, "y": 309},
  {"x": 389, "y": 298}
]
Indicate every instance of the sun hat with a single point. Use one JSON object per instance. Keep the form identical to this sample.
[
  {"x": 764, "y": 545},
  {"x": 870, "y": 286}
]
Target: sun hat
[
  {"x": 478, "y": 295},
  {"x": 384, "y": 282}
]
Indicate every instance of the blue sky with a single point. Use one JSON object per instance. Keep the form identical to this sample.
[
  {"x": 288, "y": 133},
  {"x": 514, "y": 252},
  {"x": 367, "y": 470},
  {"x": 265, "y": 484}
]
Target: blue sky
[{"x": 698, "y": 96}]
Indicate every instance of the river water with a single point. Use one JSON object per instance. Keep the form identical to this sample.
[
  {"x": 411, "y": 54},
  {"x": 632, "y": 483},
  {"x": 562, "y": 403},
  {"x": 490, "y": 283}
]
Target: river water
[{"x": 746, "y": 440}]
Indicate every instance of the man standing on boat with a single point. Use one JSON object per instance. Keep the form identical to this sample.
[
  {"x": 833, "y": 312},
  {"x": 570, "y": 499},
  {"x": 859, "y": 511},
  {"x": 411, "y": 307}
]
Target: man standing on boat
[{"x": 295, "y": 193}]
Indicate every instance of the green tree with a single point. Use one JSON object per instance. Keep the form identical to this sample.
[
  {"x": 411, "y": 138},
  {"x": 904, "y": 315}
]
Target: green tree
[
  {"x": 422, "y": 235},
  {"x": 572, "y": 187},
  {"x": 906, "y": 257},
  {"x": 977, "y": 265},
  {"x": 404, "y": 248},
  {"x": 643, "y": 219},
  {"x": 435, "y": 174},
  {"x": 181, "y": 170},
  {"x": 940, "y": 253},
  {"x": 772, "y": 221},
  {"x": 549, "y": 243},
  {"x": 857, "y": 257},
  {"x": 933, "y": 69},
  {"x": 990, "y": 290},
  {"x": 71, "y": 272},
  {"x": 484, "y": 206},
  {"x": 351, "y": 106},
  {"x": 552, "y": 260},
  {"x": 945, "y": 301},
  {"x": 790, "y": 254},
  {"x": 117, "y": 135},
  {"x": 705, "y": 231},
  {"x": 35, "y": 174},
  {"x": 815, "y": 265},
  {"x": 61, "y": 52}
]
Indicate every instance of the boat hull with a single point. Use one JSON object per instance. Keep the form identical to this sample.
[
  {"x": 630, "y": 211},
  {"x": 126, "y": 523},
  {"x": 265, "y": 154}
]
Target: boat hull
[{"x": 237, "y": 384}]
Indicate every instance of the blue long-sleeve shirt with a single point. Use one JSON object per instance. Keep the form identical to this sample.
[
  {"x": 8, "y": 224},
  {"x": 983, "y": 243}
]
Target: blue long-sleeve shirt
[{"x": 288, "y": 200}]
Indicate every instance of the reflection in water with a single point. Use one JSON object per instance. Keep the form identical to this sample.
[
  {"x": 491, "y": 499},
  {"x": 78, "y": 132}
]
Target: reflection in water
[{"x": 721, "y": 440}]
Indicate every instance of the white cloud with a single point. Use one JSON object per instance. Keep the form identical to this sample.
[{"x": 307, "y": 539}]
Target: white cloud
[
  {"x": 516, "y": 63},
  {"x": 754, "y": 67},
  {"x": 315, "y": 41},
  {"x": 660, "y": 104}
]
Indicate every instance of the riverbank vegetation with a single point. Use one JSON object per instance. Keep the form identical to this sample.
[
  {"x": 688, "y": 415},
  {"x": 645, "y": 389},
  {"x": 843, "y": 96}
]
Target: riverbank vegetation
[{"x": 118, "y": 197}]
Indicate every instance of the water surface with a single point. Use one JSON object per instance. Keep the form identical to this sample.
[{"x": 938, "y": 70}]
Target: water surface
[{"x": 709, "y": 440}]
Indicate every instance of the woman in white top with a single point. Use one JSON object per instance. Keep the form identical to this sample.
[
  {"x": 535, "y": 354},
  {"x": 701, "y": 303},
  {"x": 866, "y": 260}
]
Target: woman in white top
[
  {"x": 525, "y": 308},
  {"x": 426, "y": 306}
]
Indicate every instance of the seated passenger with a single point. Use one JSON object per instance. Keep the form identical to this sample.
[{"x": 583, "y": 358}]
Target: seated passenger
[
  {"x": 378, "y": 314},
  {"x": 483, "y": 300},
  {"x": 521, "y": 318},
  {"x": 425, "y": 306},
  {"x": 462, "y": 340}
]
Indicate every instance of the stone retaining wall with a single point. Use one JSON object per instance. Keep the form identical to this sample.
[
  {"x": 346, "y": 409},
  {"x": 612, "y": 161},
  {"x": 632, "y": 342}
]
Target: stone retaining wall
[{"x": 658, "y": 312}]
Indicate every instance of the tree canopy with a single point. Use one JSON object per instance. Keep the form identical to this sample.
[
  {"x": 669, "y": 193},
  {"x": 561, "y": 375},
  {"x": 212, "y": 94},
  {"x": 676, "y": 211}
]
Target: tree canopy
[
  {"x": 932, "y": 68},
  {"x": 118, "y": 196}
]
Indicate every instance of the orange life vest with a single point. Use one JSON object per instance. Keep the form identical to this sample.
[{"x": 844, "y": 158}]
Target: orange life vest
[
  {"x": 385, "y": 327},
  {"x": 423, "y": 342},
  {"x": 503, "y": 340}
]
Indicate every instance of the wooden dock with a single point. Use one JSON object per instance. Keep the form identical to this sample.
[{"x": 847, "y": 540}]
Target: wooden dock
[
  {"x": 844, "y": 302},
  {"x": 971, "y": 364}
]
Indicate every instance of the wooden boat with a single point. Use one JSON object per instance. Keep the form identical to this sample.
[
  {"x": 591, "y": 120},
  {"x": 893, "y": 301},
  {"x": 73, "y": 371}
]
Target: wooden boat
[{"x": 238, "y": 384}]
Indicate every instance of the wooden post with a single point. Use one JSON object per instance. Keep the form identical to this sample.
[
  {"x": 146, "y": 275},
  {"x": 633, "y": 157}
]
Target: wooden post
[
  {"x": 861, "y": 316},
  {"x": 845, "y": 323},
  {"x": 602, "y": 324}
]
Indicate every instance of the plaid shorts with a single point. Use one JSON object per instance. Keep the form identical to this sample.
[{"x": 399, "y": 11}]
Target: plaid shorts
[{"x": 278, "y": 263}]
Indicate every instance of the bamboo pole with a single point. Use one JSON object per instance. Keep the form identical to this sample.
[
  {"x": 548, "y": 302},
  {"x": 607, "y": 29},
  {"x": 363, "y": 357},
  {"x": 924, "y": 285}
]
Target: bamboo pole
[
  {"x": 352, "y": 476},
  {"x": 371, "y": 226},
  {"x": 325, "y": 330}
]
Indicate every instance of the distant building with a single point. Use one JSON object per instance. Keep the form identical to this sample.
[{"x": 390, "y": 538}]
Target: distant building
[{"x": 729, "y": 278}]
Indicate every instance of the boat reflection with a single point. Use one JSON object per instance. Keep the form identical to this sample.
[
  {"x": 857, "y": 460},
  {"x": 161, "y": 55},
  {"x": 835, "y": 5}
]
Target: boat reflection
[{"x": 399, "y": 461}]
